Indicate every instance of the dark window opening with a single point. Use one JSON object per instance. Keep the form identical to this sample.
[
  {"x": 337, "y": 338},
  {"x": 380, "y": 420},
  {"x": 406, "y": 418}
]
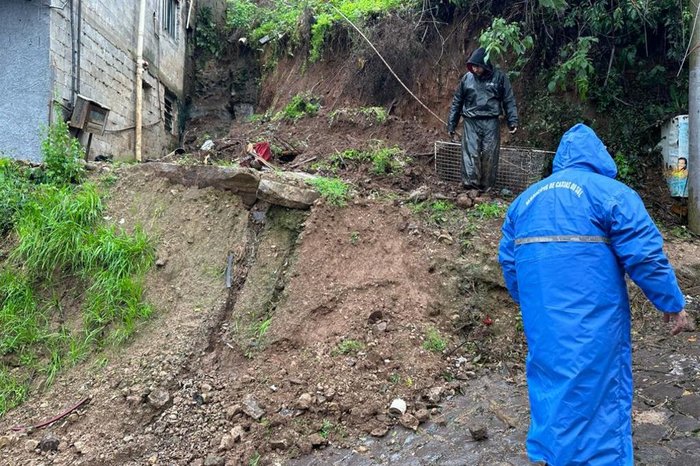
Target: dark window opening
[
  {"x": 170, "y": 9},
  {"x": 169, "y": 102}
]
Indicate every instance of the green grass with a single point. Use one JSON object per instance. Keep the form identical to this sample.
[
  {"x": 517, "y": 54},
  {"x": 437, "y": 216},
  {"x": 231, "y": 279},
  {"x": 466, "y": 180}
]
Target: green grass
[
  {"x": 334, "y": 190},
  {"x": 384, "y": 160},
  {"x": 438, "y": 212},
  {"x": 61, "y": 239},
  {"x": 348, "y": 346},
  {"x": 12, "y": 391},
  {"x": 301, "y": 105},
  {"x": 489, "y": 210},
  {"x": 326, "y": 429},
  {"x": 434, "y": 341},
  {"x": 14, "y": 191}
]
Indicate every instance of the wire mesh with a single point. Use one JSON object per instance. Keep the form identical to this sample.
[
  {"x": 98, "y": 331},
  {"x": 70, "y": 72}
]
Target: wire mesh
[{"x": 518, "y": 168}]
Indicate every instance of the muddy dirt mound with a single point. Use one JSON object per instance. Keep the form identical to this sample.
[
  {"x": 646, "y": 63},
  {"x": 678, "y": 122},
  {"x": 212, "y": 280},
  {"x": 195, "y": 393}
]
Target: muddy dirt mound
[{"x": 330, "y": 316}]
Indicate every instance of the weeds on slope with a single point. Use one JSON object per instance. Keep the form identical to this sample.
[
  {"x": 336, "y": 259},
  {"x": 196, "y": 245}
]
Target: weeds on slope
[{"x": 58, "y": 228}]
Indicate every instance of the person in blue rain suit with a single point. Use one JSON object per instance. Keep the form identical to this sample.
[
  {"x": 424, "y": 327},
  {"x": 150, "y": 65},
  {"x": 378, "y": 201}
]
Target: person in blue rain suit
[{"x": 567, "y": 243}]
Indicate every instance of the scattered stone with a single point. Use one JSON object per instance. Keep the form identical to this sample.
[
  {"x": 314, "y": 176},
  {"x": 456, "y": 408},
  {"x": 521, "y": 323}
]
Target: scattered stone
[
  {"x": 206, "y": 388},
  {"x": 446, "y": 238},
  {"x": 279, "y": 444},
  {"x": 479, "y": 433},
  {"x": 423, "y": 415},
  {"x": 251, "y": 408},
  {"x": 158, "y": 398},
  {"x": 237, "y": 433},
  {"x": 226, "y": 443},
  {"x": 304, "y": 401},
  {"x": 79, "y": 447},
  {"x": 305, "y": 447},
  {"x": 49, "y": 443},
  {"x": 464, "y": 201},
  {"x": 198, "y": 462},
  {"x": 233, "y": 411},
  {"x": 208, "y": 145},
  {"x": 505, "y": 192},
  {"x": 419, "y": 195},
  {"x": 161, "y": 262},
  {"x": 379, "y": 431},
  {"x": 362, "y": 449},
  {"x": 380, "y": 327},
  {"x": 409, "y": 421},
  {"x": 317, "y": 441},
  {"x": 473, "y": 194},
  {"x": 441, "y": 421},
  {"x": 214, "y": 460},
  {"x": 31, "y": 445},
  {"x": 435, "y": 394},
  {"x": 5, "y": 440},
  {"x": 398, "y": 407}
]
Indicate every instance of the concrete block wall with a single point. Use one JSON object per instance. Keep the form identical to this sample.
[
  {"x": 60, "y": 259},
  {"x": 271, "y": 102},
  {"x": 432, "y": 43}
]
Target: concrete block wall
[
  {"x": 107, "y": 70},
  {"x": 25, "y": 78}
]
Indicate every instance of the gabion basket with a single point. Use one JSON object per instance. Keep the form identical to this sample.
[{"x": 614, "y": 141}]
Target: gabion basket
[{"x": 518, "y": 168}]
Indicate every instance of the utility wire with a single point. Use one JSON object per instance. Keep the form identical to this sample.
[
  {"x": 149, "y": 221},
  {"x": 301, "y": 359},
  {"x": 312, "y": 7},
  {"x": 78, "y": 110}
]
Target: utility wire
[
  {"x": 690, "y": 39},
  {"x": 387, "y": 64}
]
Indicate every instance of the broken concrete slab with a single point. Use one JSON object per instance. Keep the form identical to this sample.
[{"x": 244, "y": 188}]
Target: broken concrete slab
[
  {"x": 239, "y": 180},
  {"x": 285, "y": 194}
]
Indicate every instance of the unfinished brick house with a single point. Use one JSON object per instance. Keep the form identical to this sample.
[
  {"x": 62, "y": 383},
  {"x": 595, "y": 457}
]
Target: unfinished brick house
[{"x": 78, "y": 59}]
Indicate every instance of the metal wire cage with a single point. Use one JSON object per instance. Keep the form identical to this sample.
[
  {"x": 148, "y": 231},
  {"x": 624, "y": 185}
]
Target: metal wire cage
[{"x": 518, "y": 167}]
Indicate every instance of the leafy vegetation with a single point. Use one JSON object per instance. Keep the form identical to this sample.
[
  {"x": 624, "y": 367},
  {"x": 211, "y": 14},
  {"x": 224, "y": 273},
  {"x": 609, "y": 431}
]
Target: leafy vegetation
[
  {"x": 60, "y": 238},
  {"x": 207, "y": 38},
  {"x": 62, "y": 155},
  {"x": 434, "y": 341},
  {"x": 348, "y": 346},
  {"x": 280, "y": 20},
  {"x": 14, "y": 190},
  {"x": 333, "y": 190},
  {"x": 300, "y": 106},
  {"x": 502, "y": 37},
  {"x": 489, "y": 210},
  {"x": 384, "y": 160}
]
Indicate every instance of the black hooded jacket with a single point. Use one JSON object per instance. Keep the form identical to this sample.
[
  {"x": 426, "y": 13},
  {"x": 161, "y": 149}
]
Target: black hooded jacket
[{"x": 485, "y": 96}]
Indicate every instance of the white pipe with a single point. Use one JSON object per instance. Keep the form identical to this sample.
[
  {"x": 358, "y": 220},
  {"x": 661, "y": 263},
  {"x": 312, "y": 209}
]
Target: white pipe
[{"x": 138, "y": 117}]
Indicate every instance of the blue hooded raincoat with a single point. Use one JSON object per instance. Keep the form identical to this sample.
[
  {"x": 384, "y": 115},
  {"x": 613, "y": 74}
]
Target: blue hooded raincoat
[{"x": 567, "y": 243}]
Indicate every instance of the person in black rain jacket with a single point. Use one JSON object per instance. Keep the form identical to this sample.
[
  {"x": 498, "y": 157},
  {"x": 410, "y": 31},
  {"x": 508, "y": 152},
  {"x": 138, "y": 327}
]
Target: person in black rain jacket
[{"x": 483, "y": 94}]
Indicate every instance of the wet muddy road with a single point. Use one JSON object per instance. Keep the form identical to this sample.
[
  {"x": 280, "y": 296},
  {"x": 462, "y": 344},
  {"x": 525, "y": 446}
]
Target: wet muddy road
[{"x": 666, "y": 418}]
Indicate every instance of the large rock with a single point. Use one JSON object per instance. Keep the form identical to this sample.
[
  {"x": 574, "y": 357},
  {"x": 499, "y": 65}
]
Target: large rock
[
  {"x": 286, "y": 194},
  {"x": 240, "y": 180}
]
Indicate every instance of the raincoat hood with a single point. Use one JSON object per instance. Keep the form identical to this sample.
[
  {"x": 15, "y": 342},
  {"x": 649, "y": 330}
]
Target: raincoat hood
[
  {"x": 581, "y": 148},
  {"x": 478, "y": 58}
]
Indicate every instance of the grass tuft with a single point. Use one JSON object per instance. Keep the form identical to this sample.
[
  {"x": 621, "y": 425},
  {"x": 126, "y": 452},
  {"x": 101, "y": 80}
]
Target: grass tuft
[{"x": 334, "y": 190}]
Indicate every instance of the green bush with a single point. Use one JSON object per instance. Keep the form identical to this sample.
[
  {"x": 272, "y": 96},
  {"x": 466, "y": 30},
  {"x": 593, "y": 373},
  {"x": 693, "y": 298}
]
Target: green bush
[
  {"x": 14, "y": 190},
  {"x": 63, "y": 155},
  {"x": 300, "y": 106}
]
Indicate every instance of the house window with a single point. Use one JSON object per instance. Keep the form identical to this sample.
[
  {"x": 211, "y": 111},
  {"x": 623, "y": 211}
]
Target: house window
[
  {"x": 169, "y": 15},
  {"x": 170, "y": 100}
]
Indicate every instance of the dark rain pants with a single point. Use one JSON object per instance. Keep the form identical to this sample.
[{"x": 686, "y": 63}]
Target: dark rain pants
[{"x": 481, "y": 142}]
